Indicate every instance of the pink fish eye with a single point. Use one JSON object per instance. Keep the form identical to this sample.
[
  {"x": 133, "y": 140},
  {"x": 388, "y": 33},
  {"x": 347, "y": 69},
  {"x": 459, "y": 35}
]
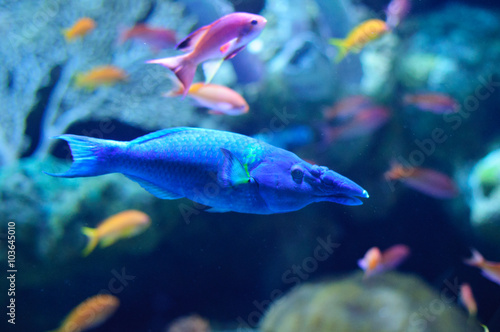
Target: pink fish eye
[{"x": 254, "y": 22}]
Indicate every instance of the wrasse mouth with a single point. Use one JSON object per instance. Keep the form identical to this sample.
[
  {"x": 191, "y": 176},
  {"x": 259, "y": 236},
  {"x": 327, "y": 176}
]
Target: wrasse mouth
[{"x": 347, "y": 199}]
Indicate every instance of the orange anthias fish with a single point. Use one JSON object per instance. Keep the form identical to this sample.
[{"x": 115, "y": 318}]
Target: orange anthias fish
[
  {"x": 156, "y": 38},
  {"x": 432, "y": 102},
  {"x": 90, "y": 313},
  {"x": 121, "y": 225},
  {"x": 216, "y": 42},
  {"x": 219, "y": 99},
  {"x": 376, "y": 261},
  {"x": 347, "y": 107},
  {"x": 359, "y": 36},
  {"x": 104, "y": 75},
  {"x": 490, "y": 270},
  {"x": 427, "y": 181},
  {"x": 82, "y": 27},
  {"x": 467, "y": 299}
]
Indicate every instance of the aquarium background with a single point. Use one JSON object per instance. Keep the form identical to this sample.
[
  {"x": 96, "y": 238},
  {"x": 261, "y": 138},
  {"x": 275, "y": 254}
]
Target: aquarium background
[{"x": 229, "y": 267}]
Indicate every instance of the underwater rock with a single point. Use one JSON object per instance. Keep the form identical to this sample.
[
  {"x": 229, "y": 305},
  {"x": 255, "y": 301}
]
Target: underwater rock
[
  {"x": 389, "y": 302},
  {"x": 456, "y": 63},
  {"x": 484, "y": 184}
]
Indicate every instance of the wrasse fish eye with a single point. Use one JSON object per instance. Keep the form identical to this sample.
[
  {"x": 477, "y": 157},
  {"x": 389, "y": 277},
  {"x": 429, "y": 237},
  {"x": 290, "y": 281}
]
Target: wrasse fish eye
[{"x": 297, "y": 174}]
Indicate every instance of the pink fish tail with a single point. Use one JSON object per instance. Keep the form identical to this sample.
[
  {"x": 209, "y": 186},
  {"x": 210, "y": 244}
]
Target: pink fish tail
[
  {"x": 182, "y": 68},
  {"x": 476, "y": 259}
]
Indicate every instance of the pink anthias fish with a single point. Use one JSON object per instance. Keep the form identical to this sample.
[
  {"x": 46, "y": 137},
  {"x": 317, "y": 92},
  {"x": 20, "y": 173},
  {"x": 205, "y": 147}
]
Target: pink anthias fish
[
  {"x": 432, "y": 102},
  {"x": 364, "y": 121},
  {"x": 347, "y": 107},
  {"x": 217, "y": 98},
  {"x": 396, "y": 11},
  {"x": 490, "y": 270},
  {"x": 427, "y": 181},
  {"x": 376, "y": 261},
  {"x": 156, "y": 38},
  {"x": 219, "y": 41},
  {"x": 467, "y": 299}
]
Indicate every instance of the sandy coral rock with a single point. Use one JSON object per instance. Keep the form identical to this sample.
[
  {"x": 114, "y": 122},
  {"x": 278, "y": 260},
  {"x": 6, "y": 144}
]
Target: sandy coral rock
[{"x": 390, "y": 302}]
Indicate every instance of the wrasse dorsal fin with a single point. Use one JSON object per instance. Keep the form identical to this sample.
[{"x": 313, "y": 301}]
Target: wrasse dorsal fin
[
  {"x": 232, "y": 172},
  {"x": 154, "y": 189},
  {"x": 159, "y": 134},
  {"x": 188, "y": 44}
]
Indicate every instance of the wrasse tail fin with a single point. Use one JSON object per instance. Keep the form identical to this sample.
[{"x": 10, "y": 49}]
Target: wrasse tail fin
[
  {"x": 93, "y": 240},
  {"x": 184, "y": 70},
  {"x": 86, "y": 152},
  {"x": 342, "y": 49}
]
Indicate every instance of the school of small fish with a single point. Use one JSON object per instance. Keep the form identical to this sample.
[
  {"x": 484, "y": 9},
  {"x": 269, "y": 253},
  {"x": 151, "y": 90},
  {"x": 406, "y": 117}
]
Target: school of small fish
[{"x": 251, "y": 176}]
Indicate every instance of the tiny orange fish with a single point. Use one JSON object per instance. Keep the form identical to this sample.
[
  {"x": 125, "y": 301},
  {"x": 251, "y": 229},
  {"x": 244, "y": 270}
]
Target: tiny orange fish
[
  {"x": 467, "y": 299},
  {"x": 104, "y": 75},
  {"x": 376, "y": 261},
  {"x": 125, "y": 224},
  {"x": 432, "y": 102},
  {"x": 219, "y": 99},
  {"x": 359, "y": 36},
  {"x": 427, "y": 181},
  {"x": 82, "y": 27},
  {"x": 490, "y": 270},
  {"x": 90, "y": 313},
  {"x": 156, "y": 38},
  {"x": 347, "y": 107}
]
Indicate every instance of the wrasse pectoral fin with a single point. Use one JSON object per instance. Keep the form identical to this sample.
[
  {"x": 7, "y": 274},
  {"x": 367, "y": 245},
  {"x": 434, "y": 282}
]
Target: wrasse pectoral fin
[
  {"x": 232, "y": 172},
  {"x": 154, "y": 189}
]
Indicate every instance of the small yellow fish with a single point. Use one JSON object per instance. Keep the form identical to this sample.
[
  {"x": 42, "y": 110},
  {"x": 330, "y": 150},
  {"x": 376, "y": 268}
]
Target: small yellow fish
[
  {"x": 359, "y": 36},
  {"x": 121, "y": 225},
  {"x": 90, "y": 313},
  {"x": 103, "y": 75},
  {"x": 82, "y": 27}
]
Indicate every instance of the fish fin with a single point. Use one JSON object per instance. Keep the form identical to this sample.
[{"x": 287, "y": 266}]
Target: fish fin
[
  {"x": 189, "y": 43},
  {"x": 108, "y": 240},
  {"x": 342, "y": 49},
  {"x": 86, "y": 152},
  {"x": 159, "y": 134},
  {"x": 154, "y": 189},
  {"x": 93, "y": 240},
  {"x": 233, "y": 53},
  {"x": 210, "y": 68},
  {"x": 217, "y": 210},
  {"x": 216, "y": 112},
  {"x": 476, "y": 259},
  {"x": 67, "y": 35},
  {"x": 182, "y": 68},
  {"x": 232, "y": 173}
]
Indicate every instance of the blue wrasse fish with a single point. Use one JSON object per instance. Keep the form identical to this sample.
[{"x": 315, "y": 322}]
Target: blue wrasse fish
[{"x": 219, "y": 169}]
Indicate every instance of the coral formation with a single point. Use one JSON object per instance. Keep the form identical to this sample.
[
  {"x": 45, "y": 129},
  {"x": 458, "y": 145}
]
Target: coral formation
[{"x": 389, "y": 302}]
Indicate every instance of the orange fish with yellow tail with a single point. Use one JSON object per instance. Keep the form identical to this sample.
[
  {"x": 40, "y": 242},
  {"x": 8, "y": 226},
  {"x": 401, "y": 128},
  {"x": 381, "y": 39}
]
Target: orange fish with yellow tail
[
  {"x": 125, "y": 224},
  {"x": 103, "y": 75},
  {"x": 82, "y": 27},
  {"x": 90, "y": 313},
  {"x": 359, "y": 36}
]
